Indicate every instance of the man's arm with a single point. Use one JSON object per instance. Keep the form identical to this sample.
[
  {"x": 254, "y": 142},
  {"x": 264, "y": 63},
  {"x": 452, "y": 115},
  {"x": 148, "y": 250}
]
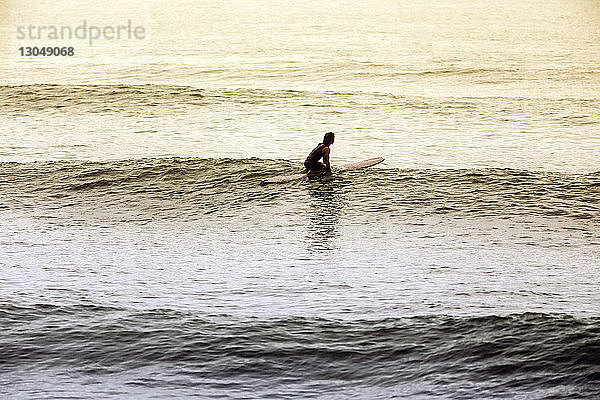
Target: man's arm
[{"x": 326, "y": 159}]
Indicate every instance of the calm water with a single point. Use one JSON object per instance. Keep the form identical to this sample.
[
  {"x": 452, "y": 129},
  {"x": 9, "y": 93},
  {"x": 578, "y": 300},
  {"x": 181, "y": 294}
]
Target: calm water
[{"x": 141, "y": 257}]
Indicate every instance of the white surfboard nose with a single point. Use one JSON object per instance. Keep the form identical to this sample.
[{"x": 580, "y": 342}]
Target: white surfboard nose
[{"x": 363, "y": 164}]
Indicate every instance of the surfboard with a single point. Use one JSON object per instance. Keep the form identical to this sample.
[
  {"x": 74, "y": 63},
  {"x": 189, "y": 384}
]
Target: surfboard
[{"x": 344, "y": 167}]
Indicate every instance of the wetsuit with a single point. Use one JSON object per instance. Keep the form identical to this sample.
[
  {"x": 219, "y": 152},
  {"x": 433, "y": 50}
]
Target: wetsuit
[{"x": 312, "y": 161}]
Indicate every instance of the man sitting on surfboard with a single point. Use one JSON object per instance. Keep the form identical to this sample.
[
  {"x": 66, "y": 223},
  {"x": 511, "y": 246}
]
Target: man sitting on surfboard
[{"x": 312, "y": 163}]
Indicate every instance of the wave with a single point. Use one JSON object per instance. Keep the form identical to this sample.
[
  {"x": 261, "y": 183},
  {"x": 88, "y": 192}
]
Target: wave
[
  {"x": 202, "y": 186},
  {"x": 148, "y": 97},
  {"x": 528, "y": 351},
  {"x": 117, "y": 98},
  {"x": 439, "y": 72}
]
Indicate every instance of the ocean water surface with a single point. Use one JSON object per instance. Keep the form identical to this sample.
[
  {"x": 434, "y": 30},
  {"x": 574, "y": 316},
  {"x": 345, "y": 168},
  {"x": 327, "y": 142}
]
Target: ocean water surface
[{"x": 141, "y": 256}]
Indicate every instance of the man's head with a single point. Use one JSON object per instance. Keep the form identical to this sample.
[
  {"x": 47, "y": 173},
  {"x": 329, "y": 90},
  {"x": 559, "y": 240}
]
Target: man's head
[{"x": 328, "y": 138}]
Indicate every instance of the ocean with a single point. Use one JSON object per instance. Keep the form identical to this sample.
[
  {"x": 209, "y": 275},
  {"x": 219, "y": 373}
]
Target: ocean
[{"x": 142, "y": 258}]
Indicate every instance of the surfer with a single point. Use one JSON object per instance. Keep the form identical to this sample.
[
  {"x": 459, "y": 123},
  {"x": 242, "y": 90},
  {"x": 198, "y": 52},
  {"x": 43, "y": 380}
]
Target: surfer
[{"x": 312, "y": 164}]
